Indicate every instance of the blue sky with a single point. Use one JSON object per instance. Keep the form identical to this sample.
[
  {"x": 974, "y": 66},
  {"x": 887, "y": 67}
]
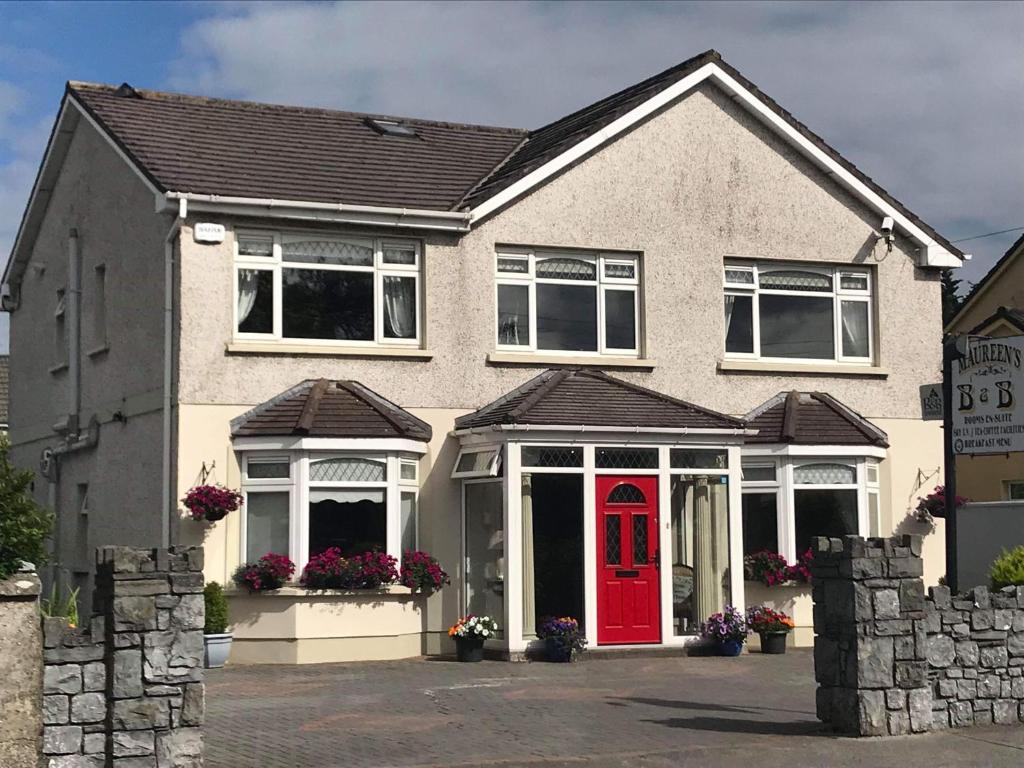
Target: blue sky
[{"x": 927, "y": 98}]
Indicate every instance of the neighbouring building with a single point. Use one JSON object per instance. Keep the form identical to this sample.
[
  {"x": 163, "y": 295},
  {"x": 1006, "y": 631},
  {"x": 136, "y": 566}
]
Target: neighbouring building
[
  {"x": 994, "y": 307},
  {"x": 587, "y": 366},
  {"x": 5, "y": 394}
]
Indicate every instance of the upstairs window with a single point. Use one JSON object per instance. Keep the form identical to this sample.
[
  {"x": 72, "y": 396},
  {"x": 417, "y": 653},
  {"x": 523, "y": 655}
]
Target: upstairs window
[
  {"x": 318, "y": 289},
  {"x": 798, "y": 312},
  {"x": 568, "y": 302}
]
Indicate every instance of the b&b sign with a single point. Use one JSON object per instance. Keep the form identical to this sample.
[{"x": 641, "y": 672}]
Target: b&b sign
[{"x": 988, "y": 397}]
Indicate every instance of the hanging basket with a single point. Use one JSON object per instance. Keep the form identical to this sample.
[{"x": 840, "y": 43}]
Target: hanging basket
[{"x": 211, "y": 502}]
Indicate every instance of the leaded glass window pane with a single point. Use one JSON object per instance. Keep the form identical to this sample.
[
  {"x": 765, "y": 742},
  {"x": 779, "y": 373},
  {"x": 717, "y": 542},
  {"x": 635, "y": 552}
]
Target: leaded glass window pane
[
  {"x": 516, "y": 264},
  {"x": 551, "y": 456},
  {"x": 795, "y": 280},
  {"x": 626, "y": 493},
  {"x": 739, "y": 276},
  {"x": 627, "y": 458},
  {"x": 341, "y": 252},
  {"x": 255, "y": 245},
  {"x": 682, "y": 458},
  {"x": 347, "y": 470},
  {"x": 565, "y": 268},
  {"x": 824, "y": 474},
  {"x": 612, "y": 540},
  {"x": 853, "y": 282},
  {"x": 399, "y": 254},
  {"x": 640, "y": 555},
  {"x": 619, "y": 271}
]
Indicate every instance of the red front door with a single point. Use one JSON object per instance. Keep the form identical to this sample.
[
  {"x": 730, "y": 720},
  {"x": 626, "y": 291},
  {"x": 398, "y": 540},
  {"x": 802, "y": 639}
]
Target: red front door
[{"x": 628, "y": 587}]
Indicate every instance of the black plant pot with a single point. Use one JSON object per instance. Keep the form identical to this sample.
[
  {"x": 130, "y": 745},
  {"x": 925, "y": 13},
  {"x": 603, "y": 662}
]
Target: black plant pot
[
  {"x": 469, "y": 648},
  {"x": 773, "y": 642},
  {"x": 213, "y": 515},
  {"x": 556, "y": 650}
]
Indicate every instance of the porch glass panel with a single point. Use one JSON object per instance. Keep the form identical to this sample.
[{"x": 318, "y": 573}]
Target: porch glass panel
[
  {"x": 700, "y": 550},
  {"x": 485, "y": 552}
]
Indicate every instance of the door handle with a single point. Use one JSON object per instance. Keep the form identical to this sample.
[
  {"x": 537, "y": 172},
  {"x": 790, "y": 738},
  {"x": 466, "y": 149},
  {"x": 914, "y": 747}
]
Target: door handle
[{"x": 657, "y": 558}]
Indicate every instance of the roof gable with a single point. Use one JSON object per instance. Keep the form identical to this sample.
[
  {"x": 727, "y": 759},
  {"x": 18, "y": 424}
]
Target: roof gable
[
  {"x": 1012, "y": 254},
  {"x": 324, "y": 408},
  {"x": 584, "y": 398},
  {"x": 1010, "y": 318},
  {"x": 811, "y": 418}
]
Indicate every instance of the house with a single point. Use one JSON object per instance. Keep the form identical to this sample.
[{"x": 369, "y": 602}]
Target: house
[
  {"x": 5, "y": 380},
  {"x": 994, "y": 307},
  {"x": 586, "y": 366}
]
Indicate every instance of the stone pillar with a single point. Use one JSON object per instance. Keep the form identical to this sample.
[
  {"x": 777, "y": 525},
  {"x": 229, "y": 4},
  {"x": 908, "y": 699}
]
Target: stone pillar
[
  {"x": 21, "y": 674},
  {"x": 153, "y": 605},
  {"x": 870, "y": 645}
]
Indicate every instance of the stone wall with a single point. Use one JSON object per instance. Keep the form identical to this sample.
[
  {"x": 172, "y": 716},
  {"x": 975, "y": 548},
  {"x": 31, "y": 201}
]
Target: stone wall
[
  {"x": 21, "y": 674},
  {"x": 889, "y": 660},
  {"x": 127, "y": 690}
]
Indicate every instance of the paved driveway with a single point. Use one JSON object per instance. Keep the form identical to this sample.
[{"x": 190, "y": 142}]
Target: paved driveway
[{"x": 637, "y": 712}]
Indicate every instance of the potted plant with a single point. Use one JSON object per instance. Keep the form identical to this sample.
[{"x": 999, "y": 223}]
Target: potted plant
[
  {"x": 216, "y": 638},
  {"x": 726, "y": 630},
  {"x": 330, "y": 570},
  {"x": 270, "y": 572},
  {"x": 562, "y": 638},
  {"x": 469, "y": 633},
  {"x": 772, "y": 626},
  {"x": 422, "y": 573},
  {"x": 934, "y": 505},
  {"x": 211, "y": 502}
]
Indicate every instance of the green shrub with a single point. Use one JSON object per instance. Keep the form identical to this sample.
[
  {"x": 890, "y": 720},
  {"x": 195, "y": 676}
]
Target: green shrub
[
  {"x": 24, "y": 525},
  {"x": 216, "y": 609},
  {"x": 1008, "y": 569}
]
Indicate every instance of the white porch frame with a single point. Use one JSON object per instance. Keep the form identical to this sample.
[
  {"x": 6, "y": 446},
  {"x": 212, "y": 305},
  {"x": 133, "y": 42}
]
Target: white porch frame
[{"x": 589, "y": 440}]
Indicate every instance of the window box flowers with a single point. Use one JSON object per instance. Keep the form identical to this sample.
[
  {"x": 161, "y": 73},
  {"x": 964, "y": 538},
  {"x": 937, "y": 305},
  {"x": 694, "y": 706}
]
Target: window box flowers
[
  {"x": 330, "y": 570},
  {"x": 772, "y": 626},
  {"x": 270, "y": 572},
  {"x": 422, "y": 573},
  {"x": 562, "y": 638},
  {"x": 727, "y": 631},
  {"x": 211, "y": 502},
  {"x": 469, "y": 634},
  {"x": 772, "y": 568}
]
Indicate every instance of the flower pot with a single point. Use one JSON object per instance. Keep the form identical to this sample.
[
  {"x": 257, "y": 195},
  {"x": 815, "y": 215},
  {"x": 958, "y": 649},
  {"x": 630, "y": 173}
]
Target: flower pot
[
  {"x": 773, "y": 642},
  {"x": 557, "y": 651},
  {"x": 216, "y": 649},
  {"x": 469, "y": 648},
  {"x": 729, "y": 647},
  {"x": 213, "y": 515}
]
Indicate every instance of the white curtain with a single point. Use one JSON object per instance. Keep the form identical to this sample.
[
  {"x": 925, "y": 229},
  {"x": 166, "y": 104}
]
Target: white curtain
[
  {"x": 400, "y": 306},
  {"x": 730, "y": 301},
  {"x": 248, "y": 280},
  {"x": 855, "y": 327},
  {"x": 529, "y": 588}
]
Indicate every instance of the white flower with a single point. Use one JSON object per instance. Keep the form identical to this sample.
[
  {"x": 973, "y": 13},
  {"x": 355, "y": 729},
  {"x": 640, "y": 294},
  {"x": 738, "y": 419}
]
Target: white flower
[{"x": 484, "y": 632}]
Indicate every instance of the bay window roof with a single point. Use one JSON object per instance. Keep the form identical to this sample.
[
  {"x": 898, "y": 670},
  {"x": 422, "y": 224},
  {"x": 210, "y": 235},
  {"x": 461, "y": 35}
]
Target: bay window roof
[
  {"x": 812, "y": 418},
  {"x": 330, "y": 408},
  {"x": 586, "y": 398}
]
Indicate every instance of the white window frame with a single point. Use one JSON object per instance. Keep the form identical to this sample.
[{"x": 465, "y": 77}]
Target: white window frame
[
  {"x": 602, "y": 284},
  {"x": 298, "y": 486},
  {"x": 493, "y": 468},
  {"x": 276, "y": 264},
  {"x": 765, "y": 487},
  {"x": 785, "y": 488},
  {"x": 1008, "y": 489},
  {"x": 838, "y": 294}
]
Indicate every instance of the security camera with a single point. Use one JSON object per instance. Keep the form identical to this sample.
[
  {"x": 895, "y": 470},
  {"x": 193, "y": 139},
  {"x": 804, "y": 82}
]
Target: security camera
[{"x": 887, "y": 226}]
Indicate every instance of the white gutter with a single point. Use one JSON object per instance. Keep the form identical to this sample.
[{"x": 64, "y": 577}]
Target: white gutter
[
  {"x": 418, "y": 218},
  {"x": 165, "y": 498},
  {"x": 616, "y": 430}
]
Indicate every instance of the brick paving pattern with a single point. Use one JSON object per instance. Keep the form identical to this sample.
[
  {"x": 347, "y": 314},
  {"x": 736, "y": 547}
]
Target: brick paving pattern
[{"x": 600, "y": 713}]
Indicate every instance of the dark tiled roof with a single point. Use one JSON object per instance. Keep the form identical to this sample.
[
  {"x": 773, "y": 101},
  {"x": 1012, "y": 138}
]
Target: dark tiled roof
[
  {"x": 244, "y": 149},
  {"x": 323, "y": 408},
  {"x": 237, "y": 148},
  {"x": 812, "y": 418},
  {"x": 593, "y": 399},
  {"x": 5, "y": 388},
  {"x": 1014, "y": 251},
  {"x": 1011, "y": 315}
]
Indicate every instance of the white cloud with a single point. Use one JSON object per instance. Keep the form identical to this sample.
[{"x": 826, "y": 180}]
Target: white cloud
[{"x": 926, "y": 98}]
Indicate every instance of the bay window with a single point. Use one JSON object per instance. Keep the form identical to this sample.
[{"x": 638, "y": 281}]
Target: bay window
[
  {"x": 301, "y": 503},
  {"x": 798, "y": 312},
  {"x": 568, "y": 302},
  {"x": 319, "y": 289}
]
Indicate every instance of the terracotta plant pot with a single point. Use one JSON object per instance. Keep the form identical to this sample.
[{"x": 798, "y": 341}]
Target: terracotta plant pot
[
  {"x": 469, "y": 648},
  {"x": 773, "y": 642}
]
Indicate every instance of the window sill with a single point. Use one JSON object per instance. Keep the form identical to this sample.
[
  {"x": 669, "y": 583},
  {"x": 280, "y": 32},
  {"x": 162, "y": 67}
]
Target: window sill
[
  {"x": 292, "y": 592},
  {"x": 589, "y": 361},
  {"x": 97, "y": 351},
  {"x": 59, "y": 368},
  {"x": 810, "y": 369},
  {"x": 265, "y": 348}
]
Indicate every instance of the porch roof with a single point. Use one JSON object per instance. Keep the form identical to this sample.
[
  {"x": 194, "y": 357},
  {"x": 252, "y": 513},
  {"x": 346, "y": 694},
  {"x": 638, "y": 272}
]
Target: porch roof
[
  {"x": 588, "y": 398},
  {"x": 330, "y": 408},
  {"x": 812, "y": 418}
]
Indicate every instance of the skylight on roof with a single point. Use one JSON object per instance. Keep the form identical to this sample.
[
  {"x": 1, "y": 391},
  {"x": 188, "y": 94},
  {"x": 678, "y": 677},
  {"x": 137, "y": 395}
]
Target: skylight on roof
[{"x": 390, "y": 127}]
